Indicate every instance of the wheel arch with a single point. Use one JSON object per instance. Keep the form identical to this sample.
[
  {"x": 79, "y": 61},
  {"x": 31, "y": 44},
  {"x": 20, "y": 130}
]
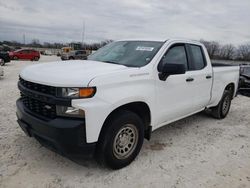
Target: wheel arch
[
  {"x": 230, "y": 87},
  {"x": 140, "y": 108}
]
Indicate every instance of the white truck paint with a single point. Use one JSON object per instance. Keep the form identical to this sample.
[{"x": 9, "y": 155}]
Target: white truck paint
[{"x": 118, "y": 85}]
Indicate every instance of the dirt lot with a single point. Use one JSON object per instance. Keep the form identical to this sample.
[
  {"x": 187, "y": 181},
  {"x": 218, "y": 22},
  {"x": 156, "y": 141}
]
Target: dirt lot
[{"x": 198, "y": 151}]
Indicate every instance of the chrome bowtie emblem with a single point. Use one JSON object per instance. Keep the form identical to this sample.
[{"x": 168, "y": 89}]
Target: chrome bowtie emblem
[{"x": 47, "y": 107}]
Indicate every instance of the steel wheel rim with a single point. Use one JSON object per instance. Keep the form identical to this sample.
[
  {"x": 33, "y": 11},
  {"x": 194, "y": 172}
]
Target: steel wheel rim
[
  {"x": 225, "y": 105},
  {"x": 125, "y": 141}
]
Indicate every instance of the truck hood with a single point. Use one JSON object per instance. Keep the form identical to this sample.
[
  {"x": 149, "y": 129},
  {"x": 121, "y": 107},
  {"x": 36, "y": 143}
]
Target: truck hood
[{"x": 75, "y": 73}]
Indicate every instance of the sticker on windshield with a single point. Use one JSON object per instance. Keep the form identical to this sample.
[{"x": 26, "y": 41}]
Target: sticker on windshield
[{"x": 144, "y": 48}]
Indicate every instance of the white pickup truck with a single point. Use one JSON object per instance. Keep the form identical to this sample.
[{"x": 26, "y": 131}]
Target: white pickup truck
[{"x": 105, "y": 106}]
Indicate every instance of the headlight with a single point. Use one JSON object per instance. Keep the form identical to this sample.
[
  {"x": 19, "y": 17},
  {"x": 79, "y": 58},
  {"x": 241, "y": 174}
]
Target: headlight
[
  {"x": 86, "y": 92},
  {"x": 67, "y": 111}
]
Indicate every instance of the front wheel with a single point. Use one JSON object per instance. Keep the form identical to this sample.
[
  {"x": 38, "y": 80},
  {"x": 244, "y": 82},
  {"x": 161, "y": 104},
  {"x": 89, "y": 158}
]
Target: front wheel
[
  {"x": 36, "y": 58},
  {"x": 121, "y": 140},
  {"x": 222, "y": 109}
]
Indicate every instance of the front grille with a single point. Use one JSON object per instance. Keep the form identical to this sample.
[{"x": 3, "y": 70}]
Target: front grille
[
  {"x": 38, "y": 107},
  {"x": 38, "y": 87}
]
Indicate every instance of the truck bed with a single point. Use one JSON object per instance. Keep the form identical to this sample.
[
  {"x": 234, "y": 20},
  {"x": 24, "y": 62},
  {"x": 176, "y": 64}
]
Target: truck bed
[{"x": 223, "y": 74}]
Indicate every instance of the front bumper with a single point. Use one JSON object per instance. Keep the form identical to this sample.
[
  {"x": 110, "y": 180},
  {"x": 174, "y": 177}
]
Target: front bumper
[
  {"x": 7, "y": 60},
  {"x": 63, "y": 135}
]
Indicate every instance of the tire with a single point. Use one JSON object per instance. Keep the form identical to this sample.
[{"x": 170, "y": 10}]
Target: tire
[
  {"x": 2, "y": 62},
  {"x": 71, "y": 58},
  {"x": 36, "y": 58},
  {"x": 222, "y": 109},
  {"x": 15, "y": 58},
  {"x": 121, "y": 140}
]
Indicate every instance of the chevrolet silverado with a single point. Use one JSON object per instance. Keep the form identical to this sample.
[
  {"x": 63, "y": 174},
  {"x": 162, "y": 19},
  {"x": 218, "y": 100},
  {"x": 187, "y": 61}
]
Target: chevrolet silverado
[{"x": 105, "y": 106}]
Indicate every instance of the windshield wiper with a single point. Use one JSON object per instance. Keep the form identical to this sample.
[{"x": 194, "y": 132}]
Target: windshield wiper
[{"x": 112, "y": 62}]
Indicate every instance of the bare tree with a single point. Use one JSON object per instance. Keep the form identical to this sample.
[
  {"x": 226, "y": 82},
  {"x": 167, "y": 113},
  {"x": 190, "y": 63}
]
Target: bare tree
[
  {"x": 213, "y": 48},
  {"x": 244, "y": 52},
  {"x": 35, "y": 43},
  {"x": 227, "y": 52}
]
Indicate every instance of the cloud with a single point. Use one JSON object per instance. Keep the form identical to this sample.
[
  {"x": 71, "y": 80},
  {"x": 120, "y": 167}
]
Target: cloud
[{"x": 62, "y": 21}]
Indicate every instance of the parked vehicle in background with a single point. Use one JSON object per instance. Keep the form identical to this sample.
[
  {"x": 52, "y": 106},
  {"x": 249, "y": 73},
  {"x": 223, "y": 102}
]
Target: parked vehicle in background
[
  {"x": 66, "y": 49},
  {"x": 47, "y": 52},
  {"x": 244, "y": 83},
  {"x": 76, "y": 54},
  {"x": 4, "y": 58},
  {"x": 25, "y": 54},
  {"x": 6, "y": 48},
  {"x": 1, "y": 71},
  {"x": 106, "y": 105}
]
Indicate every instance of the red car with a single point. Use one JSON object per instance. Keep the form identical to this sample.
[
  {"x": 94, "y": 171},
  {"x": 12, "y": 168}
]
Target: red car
[{"x": 32, "y": 55}]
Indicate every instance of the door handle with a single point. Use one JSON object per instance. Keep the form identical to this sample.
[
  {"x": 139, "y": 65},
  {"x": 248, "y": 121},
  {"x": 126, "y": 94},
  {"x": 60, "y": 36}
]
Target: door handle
[
  {"x": 189, "y": 79},
  {"x": 208, "y": 77}
]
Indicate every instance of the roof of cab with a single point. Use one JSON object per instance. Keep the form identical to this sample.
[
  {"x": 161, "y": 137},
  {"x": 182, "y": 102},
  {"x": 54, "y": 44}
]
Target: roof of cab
[{"x": 163, "y": 40}]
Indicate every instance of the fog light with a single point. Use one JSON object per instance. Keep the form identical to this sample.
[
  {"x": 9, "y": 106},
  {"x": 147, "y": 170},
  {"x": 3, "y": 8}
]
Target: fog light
[{"x": 69, "y": 111}]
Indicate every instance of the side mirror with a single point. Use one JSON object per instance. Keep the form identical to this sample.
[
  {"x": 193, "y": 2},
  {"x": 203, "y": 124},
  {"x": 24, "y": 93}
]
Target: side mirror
[{"x": 171, "y": 69}]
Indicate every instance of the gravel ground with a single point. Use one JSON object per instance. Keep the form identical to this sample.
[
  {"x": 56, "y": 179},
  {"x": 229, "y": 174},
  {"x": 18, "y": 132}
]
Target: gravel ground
[{"x": 198, "y": 151}]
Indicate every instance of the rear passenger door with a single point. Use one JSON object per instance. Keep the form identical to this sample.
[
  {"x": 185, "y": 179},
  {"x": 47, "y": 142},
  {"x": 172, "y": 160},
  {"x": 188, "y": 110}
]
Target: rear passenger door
[{"x": 201, "y": 73}]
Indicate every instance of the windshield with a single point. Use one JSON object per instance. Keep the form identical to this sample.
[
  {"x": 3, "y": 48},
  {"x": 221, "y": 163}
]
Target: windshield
[{"x": 128, "y": 53}]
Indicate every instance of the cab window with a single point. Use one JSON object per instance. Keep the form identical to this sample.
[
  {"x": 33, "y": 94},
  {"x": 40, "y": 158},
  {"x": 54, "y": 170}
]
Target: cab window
[
  {"x": 175, "y": 55},
  {"x": 198, "y": 60}
]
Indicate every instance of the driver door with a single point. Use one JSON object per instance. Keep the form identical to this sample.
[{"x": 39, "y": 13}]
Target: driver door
[{"x": 174, "y": 96}]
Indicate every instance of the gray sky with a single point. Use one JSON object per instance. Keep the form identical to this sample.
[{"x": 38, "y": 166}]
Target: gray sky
[{"x": 226, "y": 21}]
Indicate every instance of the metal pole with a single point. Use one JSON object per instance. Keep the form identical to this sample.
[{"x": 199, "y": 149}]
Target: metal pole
[
  {"x": 24, "y": 39},
  {"x": 83, "y": 31}
]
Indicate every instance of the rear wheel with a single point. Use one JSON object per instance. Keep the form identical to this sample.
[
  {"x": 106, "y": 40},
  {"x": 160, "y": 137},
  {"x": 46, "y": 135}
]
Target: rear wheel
[
  {"x": 2, "y": 62},
  {"x": 71, "y": 58},
  {"x": 15, "y": 58},
  {"x": 121, "y": 140},
  {"x": 222, "y": 109}
]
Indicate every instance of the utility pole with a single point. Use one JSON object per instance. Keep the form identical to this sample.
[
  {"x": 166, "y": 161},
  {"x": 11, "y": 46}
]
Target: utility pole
[
  {"x": 24, "y": 39},
  {"x": 83, "y": 31}
]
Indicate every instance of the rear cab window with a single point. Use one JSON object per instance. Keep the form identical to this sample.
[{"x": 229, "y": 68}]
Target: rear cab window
[{"x": 197, "y": 58}]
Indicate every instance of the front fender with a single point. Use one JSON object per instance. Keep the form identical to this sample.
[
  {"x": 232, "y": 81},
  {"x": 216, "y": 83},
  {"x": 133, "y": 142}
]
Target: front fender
[{"x": 113, "y": 91}]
